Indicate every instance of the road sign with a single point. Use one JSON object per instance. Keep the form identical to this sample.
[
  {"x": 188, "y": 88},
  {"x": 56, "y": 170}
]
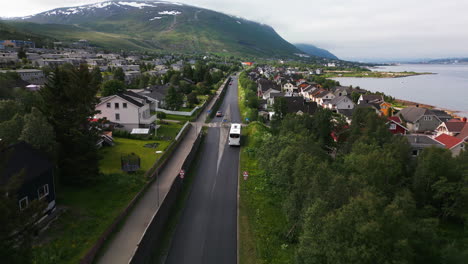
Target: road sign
[
  {"x": 246, "y": 175},
  {"x": 182, "y": 174}
]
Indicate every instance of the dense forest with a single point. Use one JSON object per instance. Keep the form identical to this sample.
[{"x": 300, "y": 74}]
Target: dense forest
[{"x": 363, "y": 199}]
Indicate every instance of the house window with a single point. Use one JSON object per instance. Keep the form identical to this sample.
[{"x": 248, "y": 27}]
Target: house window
[
  {"x": 427, "y": 118},
  {"x": 108, "y": 105},
  {"x": 43, "y": 191},
  {"x": 116, "y": 105},
  {"x": 23, "y": 203},
  {"x": 415, "y": 152},
  {"x": 124, "y": 105},
  {"x": 117, "y": 116},
  {"x": 392, "y": 126}
]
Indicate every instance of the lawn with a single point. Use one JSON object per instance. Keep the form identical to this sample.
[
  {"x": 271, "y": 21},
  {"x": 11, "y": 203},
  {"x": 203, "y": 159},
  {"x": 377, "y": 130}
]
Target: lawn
[
  {"x": 89, "y": 210},
  {"x": 169, "y": 130},
  {"x": 261, "y": 220},
  {"x": 178, "y": 118},
  {"x": 110, "y": 162}
]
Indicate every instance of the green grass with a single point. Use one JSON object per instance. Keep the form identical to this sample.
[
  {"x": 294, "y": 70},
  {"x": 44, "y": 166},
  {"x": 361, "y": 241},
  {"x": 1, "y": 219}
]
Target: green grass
[
  {"x": 88, "y": 212},
  {"x": 178, "y": 118},
  {"x": 242, "y": 108},
  {"x": 110, "y": 162},
  {"x": 170, "y": 130},
  {"x": 261, "y": 220}
]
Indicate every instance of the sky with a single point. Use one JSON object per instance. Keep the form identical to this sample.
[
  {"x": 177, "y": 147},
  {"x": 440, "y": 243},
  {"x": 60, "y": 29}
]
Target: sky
[{"x": 351, "y": 29}]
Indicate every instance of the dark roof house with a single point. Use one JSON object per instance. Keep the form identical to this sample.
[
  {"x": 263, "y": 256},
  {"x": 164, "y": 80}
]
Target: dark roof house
[{"x": 38, "y": 178}]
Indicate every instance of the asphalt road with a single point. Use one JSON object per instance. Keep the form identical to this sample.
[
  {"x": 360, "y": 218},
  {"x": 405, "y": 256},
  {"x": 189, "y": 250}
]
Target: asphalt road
[{"x": 207, "y": 231}]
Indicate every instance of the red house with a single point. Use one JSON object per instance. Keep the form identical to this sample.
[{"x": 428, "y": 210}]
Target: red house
[{"x": 395, "y": 126}]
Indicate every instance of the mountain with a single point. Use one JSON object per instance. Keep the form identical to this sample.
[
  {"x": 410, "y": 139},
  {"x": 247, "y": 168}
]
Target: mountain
[
  {"x": 314, "y": 51},
  {"x": 149, "y": 25},
  {"x": 10, "y": 32}
]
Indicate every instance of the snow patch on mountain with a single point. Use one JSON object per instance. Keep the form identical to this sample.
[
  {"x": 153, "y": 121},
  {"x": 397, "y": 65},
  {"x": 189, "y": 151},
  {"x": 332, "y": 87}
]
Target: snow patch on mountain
[
  {"x": 154, "y": 18},
  {"x": 172, "y": 13},
  {"x": 136, "y": 4}
]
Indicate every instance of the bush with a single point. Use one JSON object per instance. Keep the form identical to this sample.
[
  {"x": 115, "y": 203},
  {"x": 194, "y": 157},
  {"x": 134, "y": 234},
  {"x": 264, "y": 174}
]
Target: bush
[{"x": 161, "y": 115}]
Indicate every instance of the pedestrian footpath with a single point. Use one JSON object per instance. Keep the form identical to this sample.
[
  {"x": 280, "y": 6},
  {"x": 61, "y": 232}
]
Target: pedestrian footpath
[{"x": 125, "y": 242}]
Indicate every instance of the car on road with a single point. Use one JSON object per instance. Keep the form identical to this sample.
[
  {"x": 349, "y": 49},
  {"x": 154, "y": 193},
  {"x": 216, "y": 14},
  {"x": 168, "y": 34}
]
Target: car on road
[{"x": 219, "y": 113}]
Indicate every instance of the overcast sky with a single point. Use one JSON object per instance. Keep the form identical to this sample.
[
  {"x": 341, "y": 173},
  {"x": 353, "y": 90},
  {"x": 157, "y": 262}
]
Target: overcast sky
[{"x": 351, "y": 29}]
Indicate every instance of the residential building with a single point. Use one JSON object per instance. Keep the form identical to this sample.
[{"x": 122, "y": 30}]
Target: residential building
[
  {"x": 33, "y": 76},
  {"x": 129, "y": 109},
  {"x": 419, "y": 142},
  {"x": 419, "y": 119},
  {"x": 18, "y": 43},
  {"x": 340, "y": 102},
  {"x": 386, "y": 109},
  {"x": 395, "y": 126},
  {"x": 370, "y": 98},
  {"x": 452, "y": 127},
  {"x": 297, "y": 105},
  {"x": 455, "y": 145},
  {"x": 38, "y": 175}
]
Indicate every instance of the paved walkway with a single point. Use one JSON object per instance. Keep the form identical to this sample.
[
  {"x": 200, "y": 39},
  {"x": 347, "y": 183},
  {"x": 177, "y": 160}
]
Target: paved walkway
[{"x": 124, "y": 244}]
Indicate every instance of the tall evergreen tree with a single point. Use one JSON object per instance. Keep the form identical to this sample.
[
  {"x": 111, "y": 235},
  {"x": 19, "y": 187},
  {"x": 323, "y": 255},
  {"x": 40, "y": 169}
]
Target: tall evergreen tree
[
  {"x": 119, "y": 74},
  {"x": 69, "y": 99},
  {"x": 174, "y": 99}
]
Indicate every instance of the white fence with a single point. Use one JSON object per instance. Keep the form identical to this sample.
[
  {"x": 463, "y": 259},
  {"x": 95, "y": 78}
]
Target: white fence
[{"x": 181, "y": 113}]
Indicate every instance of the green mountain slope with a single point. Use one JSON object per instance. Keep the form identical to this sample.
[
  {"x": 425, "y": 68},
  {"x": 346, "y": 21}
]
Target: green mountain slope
[
  {"x": 315, "y": 51},
  {"x": 8, "y": 31},
  {"x": 160, "y": 25}
]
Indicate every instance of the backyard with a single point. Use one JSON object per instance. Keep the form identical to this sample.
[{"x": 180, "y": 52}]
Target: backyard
[{"x": 86, "y": 212}]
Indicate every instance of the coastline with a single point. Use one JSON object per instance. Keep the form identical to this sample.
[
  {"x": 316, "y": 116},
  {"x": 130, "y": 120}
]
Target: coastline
[
  {"x": 406, "y": 103},
  {"x": 374, "y": 74}
]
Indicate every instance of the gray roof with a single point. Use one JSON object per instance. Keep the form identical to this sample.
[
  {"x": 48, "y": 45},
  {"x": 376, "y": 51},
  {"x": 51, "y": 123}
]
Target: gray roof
[
  {"x": 372, "y": 97},
  {"x": 412, "y": 114},
  {"x": 422, "y": 141},
  {"x": 322, "y": 94},
  {"x": 338, "y": 99},
  {"x": 130, "y": 100},
  {"x": 441, "y": 114},
  {"x": 346, "y": 112},
  {"x": 296, "y": 104}
]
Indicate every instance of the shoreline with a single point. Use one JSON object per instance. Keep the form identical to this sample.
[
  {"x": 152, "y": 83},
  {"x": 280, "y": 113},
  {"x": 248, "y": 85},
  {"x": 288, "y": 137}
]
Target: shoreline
[
  {"x": 375, "y": 74},
  {"x": 454, "y": 113}
]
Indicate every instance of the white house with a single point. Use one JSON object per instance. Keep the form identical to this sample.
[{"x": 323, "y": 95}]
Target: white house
[
  {"x": 289, "y": 88},
  {"x": 128, "y": 109},
  {"x": 324, "y": 97},
  {"x": 340, "y": 102}
]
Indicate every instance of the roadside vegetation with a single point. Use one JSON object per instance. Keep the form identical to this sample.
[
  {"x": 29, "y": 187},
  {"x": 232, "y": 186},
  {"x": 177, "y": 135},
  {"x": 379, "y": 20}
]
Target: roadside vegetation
[
  {"x": 248, "y": 100},
  {"x": 363, "y": 199}
]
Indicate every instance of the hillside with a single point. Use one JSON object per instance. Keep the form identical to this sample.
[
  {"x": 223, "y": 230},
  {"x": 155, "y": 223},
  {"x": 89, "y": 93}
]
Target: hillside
[
  {"x": 8, "y": 31},
  {"x": 315, "y": 51},
  {"x": 146, "y": 25}
]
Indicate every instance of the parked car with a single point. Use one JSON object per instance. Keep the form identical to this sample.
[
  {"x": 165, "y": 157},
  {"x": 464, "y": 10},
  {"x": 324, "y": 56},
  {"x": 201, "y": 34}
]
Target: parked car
[{"x": 219, "y": 113}]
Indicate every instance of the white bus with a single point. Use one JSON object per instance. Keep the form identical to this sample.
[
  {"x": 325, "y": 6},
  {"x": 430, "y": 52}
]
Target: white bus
[{"x": 235, "y": 135}]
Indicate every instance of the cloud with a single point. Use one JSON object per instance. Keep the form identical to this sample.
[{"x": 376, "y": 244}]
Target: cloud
[{"x": 348, "y": 28}]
